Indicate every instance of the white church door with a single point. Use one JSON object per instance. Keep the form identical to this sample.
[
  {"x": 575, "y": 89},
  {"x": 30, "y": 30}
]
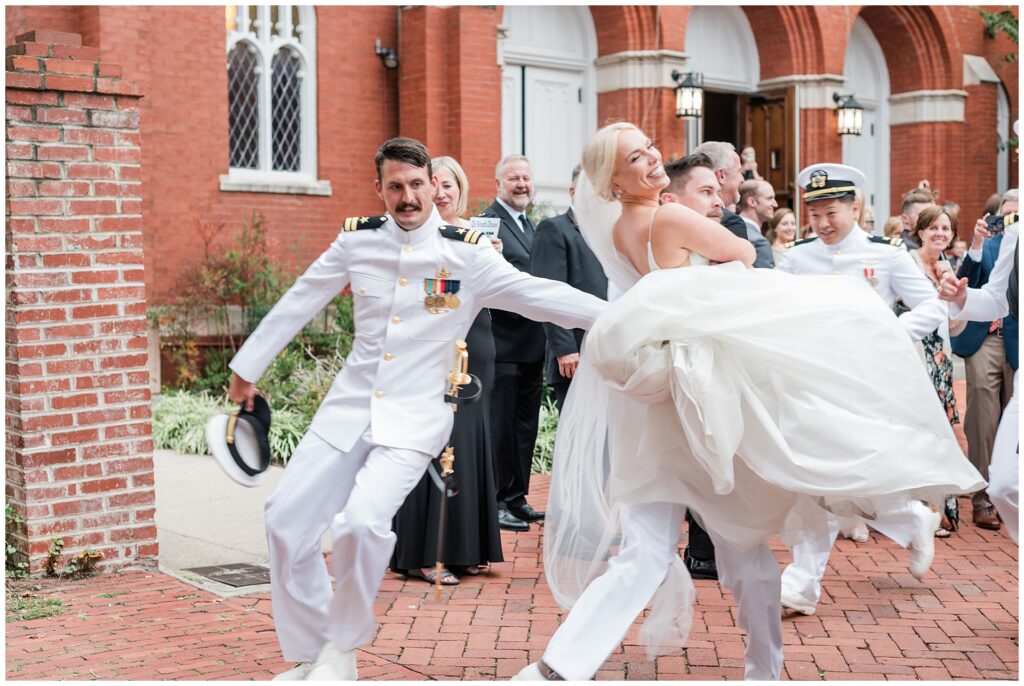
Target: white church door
[
  {"x": 548, "y": 104},
  {"x": 867, "y": 77}
]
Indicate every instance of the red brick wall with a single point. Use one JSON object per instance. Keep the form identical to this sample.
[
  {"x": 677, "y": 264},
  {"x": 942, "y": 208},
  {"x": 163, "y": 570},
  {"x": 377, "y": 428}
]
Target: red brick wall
[
  {"x": 78, "y": 447},
  {"x": 20, "y": 18},
  {"x": 980, "y": 130},
  {"x": 449, "y": 95}
]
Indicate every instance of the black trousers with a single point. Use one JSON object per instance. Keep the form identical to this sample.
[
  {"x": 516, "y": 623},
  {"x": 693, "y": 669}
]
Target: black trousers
[
  {"x": 699, "y": 543},
  {"x": 515, "y": 411}
]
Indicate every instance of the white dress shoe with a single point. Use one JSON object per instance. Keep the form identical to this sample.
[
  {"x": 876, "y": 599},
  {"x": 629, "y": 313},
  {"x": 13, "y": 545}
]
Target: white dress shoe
[
  {"x": 530, "y": 672},
  {"x": 922, "y": 546},
  {"x": 859, "y": 533},
  {"x": 792, "y": 600},
  {"x": 296, "y": 673},
  {"x": 333, "y": 664}
]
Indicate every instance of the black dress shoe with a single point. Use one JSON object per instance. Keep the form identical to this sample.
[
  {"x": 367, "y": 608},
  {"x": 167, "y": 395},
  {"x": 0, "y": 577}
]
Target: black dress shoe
[
  {"x": 700, "y": 569},
  {"x": 526, "y": 513},
  {"x": 509, "y": 522}
]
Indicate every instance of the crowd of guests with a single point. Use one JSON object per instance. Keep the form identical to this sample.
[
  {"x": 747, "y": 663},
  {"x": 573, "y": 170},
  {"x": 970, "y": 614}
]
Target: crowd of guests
[{"x": 514, "y": 357}]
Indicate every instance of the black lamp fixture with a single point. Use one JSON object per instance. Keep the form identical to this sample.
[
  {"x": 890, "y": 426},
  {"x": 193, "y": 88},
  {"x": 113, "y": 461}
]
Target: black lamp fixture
[
  {"x": 387, "y": 55},
  {"x": 689, "y": 94},
  {"x": 849, "y": 115}
]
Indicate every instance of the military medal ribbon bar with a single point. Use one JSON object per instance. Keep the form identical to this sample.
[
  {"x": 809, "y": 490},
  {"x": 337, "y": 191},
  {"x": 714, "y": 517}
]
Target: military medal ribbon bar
[{"x": 441, "y": 294}]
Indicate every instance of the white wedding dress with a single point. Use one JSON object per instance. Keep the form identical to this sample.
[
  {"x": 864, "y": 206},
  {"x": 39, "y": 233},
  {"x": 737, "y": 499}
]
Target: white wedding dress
[{"x": 754, "y": 397}]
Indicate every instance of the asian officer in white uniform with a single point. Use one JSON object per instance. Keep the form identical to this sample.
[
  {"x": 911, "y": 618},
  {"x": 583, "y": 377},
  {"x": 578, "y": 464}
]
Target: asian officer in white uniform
[
  {"x": 841, "y": 248},
  {"x": 417, "y": 285}
]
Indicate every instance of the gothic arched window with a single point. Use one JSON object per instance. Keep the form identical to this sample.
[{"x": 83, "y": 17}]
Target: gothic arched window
[{"x": 271, "y": 62}]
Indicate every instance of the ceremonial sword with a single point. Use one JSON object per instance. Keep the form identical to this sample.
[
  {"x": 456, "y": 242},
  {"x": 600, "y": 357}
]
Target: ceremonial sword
[{"x": 458, "y": 377}]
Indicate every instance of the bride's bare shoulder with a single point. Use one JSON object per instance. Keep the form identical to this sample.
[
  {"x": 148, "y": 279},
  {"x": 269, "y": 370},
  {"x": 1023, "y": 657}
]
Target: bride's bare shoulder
[{"x": 674, "y": 212}]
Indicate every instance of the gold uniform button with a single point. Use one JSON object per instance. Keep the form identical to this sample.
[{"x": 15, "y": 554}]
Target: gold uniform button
[
  {"x": 402, "y": 282},
  {"x": 407, "y": 248},
  {"x": 388, "y": 357},
  {"x": 839, "y": 252},
  {"x": 378, "y": 394},
  {"x": 396, "y": 320}
]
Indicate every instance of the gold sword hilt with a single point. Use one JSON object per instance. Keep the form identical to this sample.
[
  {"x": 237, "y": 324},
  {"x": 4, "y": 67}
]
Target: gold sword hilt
[{"x": 459, "y": 376}]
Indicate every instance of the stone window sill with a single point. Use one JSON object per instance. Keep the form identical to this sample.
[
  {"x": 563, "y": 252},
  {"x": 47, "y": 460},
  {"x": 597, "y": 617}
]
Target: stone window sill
[{"x": 287, "y": 186}]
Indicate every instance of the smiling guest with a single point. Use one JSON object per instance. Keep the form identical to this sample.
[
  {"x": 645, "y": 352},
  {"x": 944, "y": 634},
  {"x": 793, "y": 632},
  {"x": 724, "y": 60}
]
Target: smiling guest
[
  {"x": 519, "y": 355},
  {"x": 781, "y": 231}
]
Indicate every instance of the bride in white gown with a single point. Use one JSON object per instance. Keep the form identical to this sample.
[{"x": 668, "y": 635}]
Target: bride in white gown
[{"x": 754, "y": 397}]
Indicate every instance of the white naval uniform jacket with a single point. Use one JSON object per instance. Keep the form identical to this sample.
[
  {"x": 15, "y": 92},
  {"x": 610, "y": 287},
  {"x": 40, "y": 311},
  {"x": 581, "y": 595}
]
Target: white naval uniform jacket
[
  {"x": 888, "y": 269},
  {"x": 394, "y": 379}
]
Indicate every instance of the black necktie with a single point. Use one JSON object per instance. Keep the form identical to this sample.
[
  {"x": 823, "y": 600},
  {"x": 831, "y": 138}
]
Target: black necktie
[{"x": 527, "y": 226}]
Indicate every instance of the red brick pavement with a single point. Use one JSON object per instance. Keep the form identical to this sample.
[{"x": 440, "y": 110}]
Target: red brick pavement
[{"x": 875, "y": 621}]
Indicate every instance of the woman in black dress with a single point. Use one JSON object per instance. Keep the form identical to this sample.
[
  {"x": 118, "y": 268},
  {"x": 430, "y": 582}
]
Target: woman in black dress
[{"x": 472, "y": 539}]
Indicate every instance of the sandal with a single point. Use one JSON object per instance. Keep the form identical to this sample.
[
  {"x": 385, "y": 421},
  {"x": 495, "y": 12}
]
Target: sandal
[
  {"x": 476, "y": 570},
  {"x": 447, "y": 578}
]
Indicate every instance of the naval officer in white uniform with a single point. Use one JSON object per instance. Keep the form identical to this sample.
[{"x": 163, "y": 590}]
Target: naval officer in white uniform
[
  {"x": 843, "y": 249},
  {"x": 417, "y": 285}
]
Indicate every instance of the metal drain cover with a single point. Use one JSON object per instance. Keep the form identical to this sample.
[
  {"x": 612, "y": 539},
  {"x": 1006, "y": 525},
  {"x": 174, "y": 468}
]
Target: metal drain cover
[{"x": 237, "y": 574}]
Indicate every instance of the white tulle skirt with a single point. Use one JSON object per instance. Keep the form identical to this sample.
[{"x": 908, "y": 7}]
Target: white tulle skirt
[{"x": 754, "y": 397}]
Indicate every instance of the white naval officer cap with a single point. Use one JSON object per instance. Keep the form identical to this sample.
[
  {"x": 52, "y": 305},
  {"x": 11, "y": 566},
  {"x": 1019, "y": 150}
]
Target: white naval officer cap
[
  {"x": 240, "y": 442},
  {"x": 827, "y": 181}
]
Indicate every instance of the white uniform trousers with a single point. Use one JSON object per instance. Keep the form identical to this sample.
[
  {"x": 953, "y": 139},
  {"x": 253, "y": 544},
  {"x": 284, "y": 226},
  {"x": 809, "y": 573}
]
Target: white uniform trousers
[
  {"x": 811, "y": 548},
  {"x": 355, "y": 494},
  {"x": 605, "y": 611},
  {"x": 1004, "y": 470}
]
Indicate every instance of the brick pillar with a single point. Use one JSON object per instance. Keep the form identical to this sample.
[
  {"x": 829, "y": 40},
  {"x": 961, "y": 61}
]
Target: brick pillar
[
  {"x": 79, "y": 448},
  {"x": 450, "y": 88}
]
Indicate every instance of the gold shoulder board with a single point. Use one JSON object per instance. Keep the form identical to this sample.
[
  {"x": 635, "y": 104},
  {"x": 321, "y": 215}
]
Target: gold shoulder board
[
  {"x": 457, "y": 233},
  {"x": 374, "y": 221}
]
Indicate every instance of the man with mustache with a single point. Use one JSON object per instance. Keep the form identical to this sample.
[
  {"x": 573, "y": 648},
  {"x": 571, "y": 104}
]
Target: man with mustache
[
  {"x": 417, "y": 285},
  {"x": 519, "y": 355}
]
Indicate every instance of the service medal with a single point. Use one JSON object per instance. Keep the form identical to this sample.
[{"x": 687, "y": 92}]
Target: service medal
[
  {"x": 869, "y": 274},
  {"x": 441, "y": 292}
]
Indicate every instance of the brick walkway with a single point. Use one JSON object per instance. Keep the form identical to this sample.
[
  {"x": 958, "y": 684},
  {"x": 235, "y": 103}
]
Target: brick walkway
[{"x": 875, "y": 621}]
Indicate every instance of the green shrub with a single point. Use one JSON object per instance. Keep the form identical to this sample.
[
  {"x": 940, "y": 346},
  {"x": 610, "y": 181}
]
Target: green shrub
[
  {"x": 15, "y": 562},
  {"x": 179, "y": 424},
  {"x": 544, "y": 448}
]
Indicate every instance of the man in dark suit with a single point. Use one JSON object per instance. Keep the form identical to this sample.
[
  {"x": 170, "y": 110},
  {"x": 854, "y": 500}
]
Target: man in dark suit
[
  {"x": 560, "y": 253},
  {"x": 519, "y": 355},
  {"x": 990, "y": 355},
  {"x": 729, "y": 172}
]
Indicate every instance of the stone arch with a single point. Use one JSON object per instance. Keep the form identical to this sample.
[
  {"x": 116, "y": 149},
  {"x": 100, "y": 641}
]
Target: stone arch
[
  {"x": 624, "y": 27},
  {"x": 915, "y": 44},
  {"x": 708, "y": 29},
  {"x": 866, "y": 74}
]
